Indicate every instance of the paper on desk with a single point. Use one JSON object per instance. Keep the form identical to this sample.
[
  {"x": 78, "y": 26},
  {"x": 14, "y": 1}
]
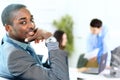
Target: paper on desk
[{"x": 91, "y": 54}]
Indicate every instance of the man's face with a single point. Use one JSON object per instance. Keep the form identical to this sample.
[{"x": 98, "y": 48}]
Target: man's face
[
  {"x": 23, "y": 25},
  {"x": 95, "y": 30}
]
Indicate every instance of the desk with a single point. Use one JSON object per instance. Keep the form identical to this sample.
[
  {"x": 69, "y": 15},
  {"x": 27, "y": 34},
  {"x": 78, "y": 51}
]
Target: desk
[{"x": 74, "y": 74}]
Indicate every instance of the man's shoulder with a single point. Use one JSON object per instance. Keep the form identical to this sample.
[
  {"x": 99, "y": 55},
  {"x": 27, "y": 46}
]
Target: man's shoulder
[{"x": 9, "y": 48}]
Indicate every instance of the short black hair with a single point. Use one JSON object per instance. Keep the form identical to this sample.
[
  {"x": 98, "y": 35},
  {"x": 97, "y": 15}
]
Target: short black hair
[
  {"x": 58, "y": 34},
  {"x": 8, "y": 11},
  {"x": 96, "y": 23}
]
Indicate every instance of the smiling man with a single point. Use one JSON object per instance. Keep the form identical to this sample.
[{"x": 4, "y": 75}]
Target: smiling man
[{"x": 18, "y": 61}]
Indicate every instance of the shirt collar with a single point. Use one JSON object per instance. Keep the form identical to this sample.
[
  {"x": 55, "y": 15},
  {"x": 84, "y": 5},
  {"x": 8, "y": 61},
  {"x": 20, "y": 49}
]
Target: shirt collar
[{"x": 21, "y": 44}]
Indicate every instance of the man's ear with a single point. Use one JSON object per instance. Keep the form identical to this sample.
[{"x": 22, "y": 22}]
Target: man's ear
[{"x": 7, "y": 28}]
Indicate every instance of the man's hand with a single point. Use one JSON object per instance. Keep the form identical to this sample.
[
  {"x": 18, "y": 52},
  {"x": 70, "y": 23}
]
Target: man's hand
[{"x": 38, "y": 35}]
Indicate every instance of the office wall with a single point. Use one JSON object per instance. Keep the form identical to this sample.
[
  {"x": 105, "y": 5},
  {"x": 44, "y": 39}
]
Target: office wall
[{"x": 82, "y": 11}]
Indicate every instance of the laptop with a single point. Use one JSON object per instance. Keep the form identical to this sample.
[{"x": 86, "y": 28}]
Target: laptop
[{"x": 100, "y": 68}]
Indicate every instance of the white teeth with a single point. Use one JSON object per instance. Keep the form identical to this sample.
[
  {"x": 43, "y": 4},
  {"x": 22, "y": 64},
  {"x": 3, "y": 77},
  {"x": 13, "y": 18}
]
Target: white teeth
[
  {"x": 26, "y": 40},
  {"x": 31, "y": 33}
]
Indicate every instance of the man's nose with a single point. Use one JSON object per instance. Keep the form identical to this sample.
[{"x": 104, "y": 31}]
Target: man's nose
[{"x": 31, "y": 25}]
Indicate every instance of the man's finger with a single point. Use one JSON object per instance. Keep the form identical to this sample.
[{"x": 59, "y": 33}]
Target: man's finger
[
  {"x": 29, "y": 39},
  {"x": 39, "y": 35}
]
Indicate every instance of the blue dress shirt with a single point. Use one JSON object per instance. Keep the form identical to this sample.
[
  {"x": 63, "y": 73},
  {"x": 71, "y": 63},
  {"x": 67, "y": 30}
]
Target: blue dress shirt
[{"x": 101, "y": 42}]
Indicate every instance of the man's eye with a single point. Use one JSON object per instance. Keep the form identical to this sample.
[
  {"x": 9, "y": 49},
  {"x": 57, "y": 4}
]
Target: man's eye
[{"x": 24, "y": 22}]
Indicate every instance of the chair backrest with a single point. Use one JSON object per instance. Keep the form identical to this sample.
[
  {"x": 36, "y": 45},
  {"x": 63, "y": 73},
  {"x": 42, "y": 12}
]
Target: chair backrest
[{"x": 115, "y": 57}]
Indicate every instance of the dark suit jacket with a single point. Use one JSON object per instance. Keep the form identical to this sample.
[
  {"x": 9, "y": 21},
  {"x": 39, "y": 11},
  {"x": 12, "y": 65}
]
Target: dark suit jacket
[{"x": 22, "y": 66}]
